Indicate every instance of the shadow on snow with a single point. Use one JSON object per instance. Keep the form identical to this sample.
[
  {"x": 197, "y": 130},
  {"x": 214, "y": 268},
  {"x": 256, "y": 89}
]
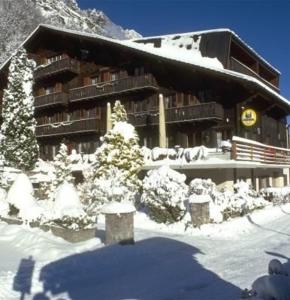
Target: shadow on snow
[{"x": 156, "y": 268}]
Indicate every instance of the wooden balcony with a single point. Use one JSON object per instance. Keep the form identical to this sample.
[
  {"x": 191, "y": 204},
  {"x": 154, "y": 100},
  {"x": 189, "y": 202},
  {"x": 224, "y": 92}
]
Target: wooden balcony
[
  {"x": 49, "y": 100},
  {"x": 251, "y": 151},
  {"x": 237, "y": 66},
  {"x": 204, "y": 111},
  {"x": 65, "y": 65},
  {"x": 70, "y": 127},
  {"x": 124, "y": 85}
]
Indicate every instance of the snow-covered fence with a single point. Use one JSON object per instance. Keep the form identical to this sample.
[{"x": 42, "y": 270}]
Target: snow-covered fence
[
  {"x": 177, "y": 154},
  {"x": 248, "y": 150}
]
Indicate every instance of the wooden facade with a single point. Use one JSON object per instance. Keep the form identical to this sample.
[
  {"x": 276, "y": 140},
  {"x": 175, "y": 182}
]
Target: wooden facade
[{"x": 77, "y": 75}]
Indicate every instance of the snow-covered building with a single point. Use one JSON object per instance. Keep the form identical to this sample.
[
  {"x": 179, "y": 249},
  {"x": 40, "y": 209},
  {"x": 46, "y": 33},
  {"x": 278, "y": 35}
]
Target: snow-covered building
[{"x": 212, "y": 84}]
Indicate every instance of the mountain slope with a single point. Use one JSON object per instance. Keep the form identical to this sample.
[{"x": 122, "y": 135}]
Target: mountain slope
[{"x": 19, "y": 18}]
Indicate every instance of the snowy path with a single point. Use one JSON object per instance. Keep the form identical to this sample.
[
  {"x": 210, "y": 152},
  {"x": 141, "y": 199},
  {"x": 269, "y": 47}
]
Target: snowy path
[{"x": 159, "y": 266}]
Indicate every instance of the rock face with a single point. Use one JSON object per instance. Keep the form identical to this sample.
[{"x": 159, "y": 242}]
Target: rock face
[{"x": 19, "y": 18}]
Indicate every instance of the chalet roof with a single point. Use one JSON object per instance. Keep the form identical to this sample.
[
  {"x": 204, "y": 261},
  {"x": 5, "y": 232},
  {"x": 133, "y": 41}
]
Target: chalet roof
[
  {"x": 201, "y": 32},
  {"x": 175, "y": 56}
]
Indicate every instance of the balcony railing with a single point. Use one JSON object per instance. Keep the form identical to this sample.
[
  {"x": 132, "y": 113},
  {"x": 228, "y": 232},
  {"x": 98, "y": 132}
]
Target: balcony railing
[
  {"x": 252, "y": 151},
  {"x": 59, "y": 66},
  {"x": 123, "y": 85},
  {"x": 205, "y": 111},
  {"x": 49, "y": 100},
  {"x": 70, "y": 127},
  {"x": 237, "y": 66}
]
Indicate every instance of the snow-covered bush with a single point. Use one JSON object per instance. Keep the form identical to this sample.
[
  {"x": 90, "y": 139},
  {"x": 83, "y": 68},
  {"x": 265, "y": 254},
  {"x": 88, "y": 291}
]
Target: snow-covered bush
[
  {"x": 21, "y": 200},
  {"x": 242, "y": 201},
  {"x": 96, "y": 192},
  {"x": 17, "y": 141},
  {"x": 164, "y": 195},
  {"x": 68, "y": 210},
  {"x": 276, "y": 195},
  {"x": 226, "y": 204}
]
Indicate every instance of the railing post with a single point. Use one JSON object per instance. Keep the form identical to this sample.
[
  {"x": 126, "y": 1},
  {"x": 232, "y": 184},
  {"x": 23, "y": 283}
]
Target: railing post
[{"x": 234, "y": 151}]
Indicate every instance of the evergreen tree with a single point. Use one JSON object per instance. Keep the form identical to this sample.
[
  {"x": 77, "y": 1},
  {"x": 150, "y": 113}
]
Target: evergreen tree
[
  {"x": 119, "y": 113},
  {"x": 62, "y": 173},
  {"x": 18, "y": 143},
  {"x": 120, "y": 149},
  {"x": 63, "y": 167}
]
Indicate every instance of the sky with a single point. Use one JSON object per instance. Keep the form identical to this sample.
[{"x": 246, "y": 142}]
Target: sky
[{"x": 263, "y": 24}]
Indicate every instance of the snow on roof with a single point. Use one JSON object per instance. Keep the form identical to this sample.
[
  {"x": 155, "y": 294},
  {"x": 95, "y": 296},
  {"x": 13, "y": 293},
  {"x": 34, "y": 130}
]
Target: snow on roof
[
  {"x": 170, "y": 36},
  {"x": 169, "y": 54}
]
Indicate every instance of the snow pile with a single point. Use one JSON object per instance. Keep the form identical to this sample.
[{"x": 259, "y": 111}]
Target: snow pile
[
  {"x": 67, "y": 202},
  {"x": 68, "y": 210},
  {"x": 20, "y": 196},
  {"x": 164, "y": 195},
  {"x": 114, "y": 207}
]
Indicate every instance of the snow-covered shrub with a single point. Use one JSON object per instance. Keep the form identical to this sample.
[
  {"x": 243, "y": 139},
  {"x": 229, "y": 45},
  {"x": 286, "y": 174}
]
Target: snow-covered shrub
[
  {"x": 21, "y": 200},
  {"x": 68, "y": 210},
  {"x": 276, "y": 195},
  {"x": 200, "y": 186},
  {"x": 226, "y": 204},
  {"x": 164, "y": 195},
  {"x": 112, "y": 186},
  {"x": 17, "y": 141},
  {"x": 244, "y": 200}
]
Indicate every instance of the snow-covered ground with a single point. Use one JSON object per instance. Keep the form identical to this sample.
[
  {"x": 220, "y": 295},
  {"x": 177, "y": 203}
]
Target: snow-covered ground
[{"x": 214, "y": 262}]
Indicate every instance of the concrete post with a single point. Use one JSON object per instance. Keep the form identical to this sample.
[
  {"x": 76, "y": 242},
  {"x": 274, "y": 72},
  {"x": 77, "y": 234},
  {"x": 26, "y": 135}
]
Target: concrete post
[
  {"x": 199, "y": 210},
  {"x": 278, "y": 180},
  {"x": 108, "y": 116},
  {"x": 119, "y": 223},
  {"x": 162, "y": 126}
]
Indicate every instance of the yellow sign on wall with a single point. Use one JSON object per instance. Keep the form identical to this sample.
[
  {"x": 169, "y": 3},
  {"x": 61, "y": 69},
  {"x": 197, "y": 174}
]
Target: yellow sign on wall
[{"x": 249, "y": 117}]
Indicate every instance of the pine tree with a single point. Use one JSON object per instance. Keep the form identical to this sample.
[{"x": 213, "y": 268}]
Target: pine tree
[
  {"x": 18, "y": 143},
  {"x": 119, "y": 113},
  {"x": 62, "y": 173},
  {"x": 63, "y": 168},
  {"x": 120, "y": 149}
]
